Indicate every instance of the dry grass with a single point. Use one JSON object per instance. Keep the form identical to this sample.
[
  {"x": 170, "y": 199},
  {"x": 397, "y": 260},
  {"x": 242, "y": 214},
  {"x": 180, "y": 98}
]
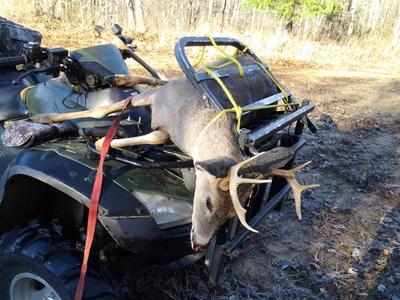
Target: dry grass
[
  {"x": 55, "y": 32},
  {"x": 361, "y": 53}
]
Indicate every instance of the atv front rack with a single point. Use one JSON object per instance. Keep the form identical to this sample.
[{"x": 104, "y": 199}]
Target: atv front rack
[
  {"x": 130, "y": 158},
  {"x": 276, "y": 130}
]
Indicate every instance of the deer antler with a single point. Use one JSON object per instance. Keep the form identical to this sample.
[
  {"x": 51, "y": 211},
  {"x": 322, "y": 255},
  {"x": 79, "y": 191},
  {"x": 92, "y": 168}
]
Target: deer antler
[
  {"x": 234, "y": 181},
  {"x": 297, "y": 188}
]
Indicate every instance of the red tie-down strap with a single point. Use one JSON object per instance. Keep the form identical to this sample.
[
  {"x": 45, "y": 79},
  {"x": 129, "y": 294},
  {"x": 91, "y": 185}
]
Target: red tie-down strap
[{"x": 94, "y": 201}]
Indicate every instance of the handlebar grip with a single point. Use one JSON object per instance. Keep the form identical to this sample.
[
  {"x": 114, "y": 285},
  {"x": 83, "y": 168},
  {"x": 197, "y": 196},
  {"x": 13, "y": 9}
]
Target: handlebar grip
[{"x": 12, "y": 61}]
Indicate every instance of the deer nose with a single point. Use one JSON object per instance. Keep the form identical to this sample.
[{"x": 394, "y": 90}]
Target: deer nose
[
  {"x": 195, "y": 246},
  {"x": 199, "y": 248}
]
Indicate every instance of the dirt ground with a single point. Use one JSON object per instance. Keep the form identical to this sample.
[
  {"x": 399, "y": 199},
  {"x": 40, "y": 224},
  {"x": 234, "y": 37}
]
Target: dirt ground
[{"x": 347, "y": 246}]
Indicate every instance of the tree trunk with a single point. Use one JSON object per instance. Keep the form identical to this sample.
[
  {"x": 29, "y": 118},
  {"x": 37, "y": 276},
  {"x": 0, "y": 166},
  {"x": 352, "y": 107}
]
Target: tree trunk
[
  {"x": 374, "y": 13},
  {"x": 352, "y": 12},
  {"x": 396, "y": 30},
  {"x": 223, "y": 12},
  {"x": 210, "y": 19},
  {"x": 138, "y": 15},
  {"x": 289, "y": 26},
  {"x": 131, "y": 17}
]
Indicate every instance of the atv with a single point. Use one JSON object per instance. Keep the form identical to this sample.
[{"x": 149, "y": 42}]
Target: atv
[{"x": 146, "y": 204}]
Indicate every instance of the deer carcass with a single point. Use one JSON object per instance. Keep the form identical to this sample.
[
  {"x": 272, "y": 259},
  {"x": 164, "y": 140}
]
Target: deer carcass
[{"x": 180, "y": 114}]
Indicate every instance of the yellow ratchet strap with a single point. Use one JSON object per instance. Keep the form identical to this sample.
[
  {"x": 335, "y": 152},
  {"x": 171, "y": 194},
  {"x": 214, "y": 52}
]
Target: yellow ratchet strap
[
  {"x": 229, "y": 62},
  {"x": 228, "y": 56},
  {"x": 231, "y": 110},
  {"x": 236, "y": 108},
  {"x": 201, "y": 57},
  {"x": 268, "y": 73}
]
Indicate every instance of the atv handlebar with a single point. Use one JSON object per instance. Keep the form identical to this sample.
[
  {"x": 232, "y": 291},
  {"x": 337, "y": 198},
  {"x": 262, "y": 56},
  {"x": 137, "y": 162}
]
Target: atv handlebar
[{"x": 12, "y": 61}]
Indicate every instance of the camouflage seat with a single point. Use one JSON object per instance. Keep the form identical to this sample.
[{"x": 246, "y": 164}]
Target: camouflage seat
[
  {"x": 12, "y": 39},
  {"x": 13, "y": 36}
]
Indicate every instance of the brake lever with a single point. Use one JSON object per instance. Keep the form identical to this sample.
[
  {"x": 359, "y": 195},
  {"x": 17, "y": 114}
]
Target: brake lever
[
  {"x": 28, "y": 73},
  {"x": 44, "y": 69}
]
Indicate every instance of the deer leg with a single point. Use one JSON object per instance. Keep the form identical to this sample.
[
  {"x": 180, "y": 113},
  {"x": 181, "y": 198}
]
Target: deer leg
[
  {"x": 157, "y": 137},
  {"x": 297, "y": 188},
  {"x": 143, "y": 99},
  {"x": 97, "y": 113},
  {"x": 130, "y": 80}
]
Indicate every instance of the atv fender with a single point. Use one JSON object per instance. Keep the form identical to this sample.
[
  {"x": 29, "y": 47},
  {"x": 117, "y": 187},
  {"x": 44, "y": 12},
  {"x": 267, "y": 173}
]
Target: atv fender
[{"x": 67, "y": 168}]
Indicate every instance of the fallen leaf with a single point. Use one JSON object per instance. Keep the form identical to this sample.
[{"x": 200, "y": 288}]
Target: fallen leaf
[
  {"x": 386, "y": 252},
  {"x": 352, "y": 271}
]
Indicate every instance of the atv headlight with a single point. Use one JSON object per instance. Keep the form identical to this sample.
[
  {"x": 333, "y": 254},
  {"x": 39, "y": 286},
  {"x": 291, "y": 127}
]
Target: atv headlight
[{"x": 166, "y": 211}]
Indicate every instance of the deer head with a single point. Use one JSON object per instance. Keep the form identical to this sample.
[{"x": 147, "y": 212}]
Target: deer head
[
  {"x": 212, "y": 205},
  {"x": 220, "y": 193}
]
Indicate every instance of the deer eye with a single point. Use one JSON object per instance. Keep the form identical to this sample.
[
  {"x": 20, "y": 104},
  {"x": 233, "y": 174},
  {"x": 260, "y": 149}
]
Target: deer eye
[{"x": 209, "y": 204}]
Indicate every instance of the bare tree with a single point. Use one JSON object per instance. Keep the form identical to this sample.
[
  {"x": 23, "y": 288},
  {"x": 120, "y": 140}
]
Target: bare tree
[{"x": 138, "y": 15}]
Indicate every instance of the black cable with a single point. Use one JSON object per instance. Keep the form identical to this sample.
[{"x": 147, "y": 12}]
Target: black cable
[{"x": 66, "y": 97}]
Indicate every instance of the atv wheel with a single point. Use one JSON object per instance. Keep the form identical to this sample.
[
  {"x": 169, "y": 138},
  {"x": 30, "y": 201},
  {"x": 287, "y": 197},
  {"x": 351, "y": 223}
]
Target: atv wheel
[{"x": 36, "y": 264}]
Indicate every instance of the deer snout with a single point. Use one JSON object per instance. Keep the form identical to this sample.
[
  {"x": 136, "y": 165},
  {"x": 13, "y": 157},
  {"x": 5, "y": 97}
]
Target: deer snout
[{"x": 197, "y": 242}]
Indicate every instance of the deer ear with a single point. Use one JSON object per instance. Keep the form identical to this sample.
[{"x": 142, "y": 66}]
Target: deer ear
[
  {"x": 200, "y": 167},
  {"x": 218, "y": 168},
  {"x": 266, "y": 161},
  {"x": 214, "y": 169}
]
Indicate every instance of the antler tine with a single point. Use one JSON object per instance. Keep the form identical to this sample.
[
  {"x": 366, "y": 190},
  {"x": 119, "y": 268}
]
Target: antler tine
[
  {"x": 297, "y": 188},
  {"x": 234, "y": 181}
]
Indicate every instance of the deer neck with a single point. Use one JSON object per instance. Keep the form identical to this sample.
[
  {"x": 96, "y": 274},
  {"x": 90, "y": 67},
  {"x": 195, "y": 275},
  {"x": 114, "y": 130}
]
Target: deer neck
[
  {"x": 218, "y": 141},
  {"x": 217, "y": 146}
]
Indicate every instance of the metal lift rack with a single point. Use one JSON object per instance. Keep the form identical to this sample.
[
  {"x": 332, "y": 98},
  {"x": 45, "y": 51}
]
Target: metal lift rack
[{"x": 271, "y": 133}]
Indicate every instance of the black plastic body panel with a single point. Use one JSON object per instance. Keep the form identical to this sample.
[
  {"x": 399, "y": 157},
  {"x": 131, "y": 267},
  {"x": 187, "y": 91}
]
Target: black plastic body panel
[
  {"x": 65, "y": 168},
  {"x": 56, "y": 96},
  {"x": 101, "y": 59}
]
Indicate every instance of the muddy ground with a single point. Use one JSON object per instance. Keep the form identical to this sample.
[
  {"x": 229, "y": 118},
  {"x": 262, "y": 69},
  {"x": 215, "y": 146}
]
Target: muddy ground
[{"x": 347, "y": 246}]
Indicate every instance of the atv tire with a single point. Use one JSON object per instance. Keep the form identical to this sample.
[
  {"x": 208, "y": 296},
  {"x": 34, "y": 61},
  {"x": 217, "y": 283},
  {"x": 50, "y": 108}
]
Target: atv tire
[{"x": 38, "y": 264}]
